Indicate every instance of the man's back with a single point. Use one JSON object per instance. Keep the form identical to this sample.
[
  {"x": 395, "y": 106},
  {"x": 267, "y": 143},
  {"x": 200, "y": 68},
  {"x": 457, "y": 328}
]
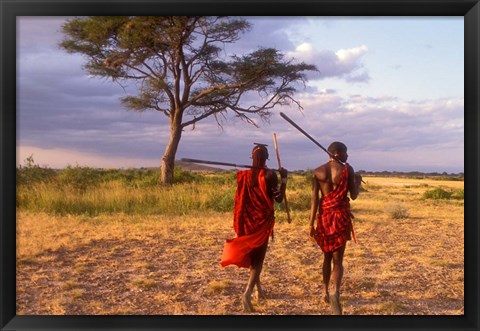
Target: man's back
[{"x": 328, "y": 176}]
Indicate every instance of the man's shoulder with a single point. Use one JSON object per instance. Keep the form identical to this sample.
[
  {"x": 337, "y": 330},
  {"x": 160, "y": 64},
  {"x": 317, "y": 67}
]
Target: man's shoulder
[
  {"x": 350, "y": 169},
  {"x": 320, "y": 173},
  {"x": 321, "y": 168}
]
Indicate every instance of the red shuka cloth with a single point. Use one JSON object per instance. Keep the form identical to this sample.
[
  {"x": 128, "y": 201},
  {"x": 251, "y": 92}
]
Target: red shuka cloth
[
  {"x": 253, "y": 219},
  {"x": 334, "y": 219}
]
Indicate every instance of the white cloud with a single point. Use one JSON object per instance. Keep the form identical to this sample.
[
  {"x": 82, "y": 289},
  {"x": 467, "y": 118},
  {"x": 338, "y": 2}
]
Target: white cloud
[
  {"x": 350, "y": 56},
  {"x": 344, "y": 63},
  {"x": 304, "y": 52}
]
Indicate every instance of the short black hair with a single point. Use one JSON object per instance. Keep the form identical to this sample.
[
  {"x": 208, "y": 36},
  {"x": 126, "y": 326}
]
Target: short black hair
[
  {"x": 337, "y": 146},
  {"x": 260, "y": 153}
]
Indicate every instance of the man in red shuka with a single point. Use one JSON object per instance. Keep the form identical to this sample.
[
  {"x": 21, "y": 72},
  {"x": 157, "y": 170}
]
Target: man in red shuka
[
  {"x": 253, "y": 220},
  {"x": 334, "y": 179}
]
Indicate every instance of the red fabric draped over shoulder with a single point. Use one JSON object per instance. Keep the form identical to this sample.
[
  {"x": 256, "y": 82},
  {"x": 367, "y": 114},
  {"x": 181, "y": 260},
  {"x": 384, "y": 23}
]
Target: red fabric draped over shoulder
[
  {"x": 253, "y": 219},
  {"x": 334, "y": 219}
]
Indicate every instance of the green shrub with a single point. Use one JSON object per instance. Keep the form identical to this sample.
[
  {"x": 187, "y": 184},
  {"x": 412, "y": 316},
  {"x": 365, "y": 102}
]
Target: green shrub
[
  {"x": 458, "y": 194},
  {"x": 437, "y": 194},
  {"x": 31, "y": 173},
  {"x": 183, "y": 176},
  {"x": 80, "y": 178},
  {"x": 141, "y": 178},
  {"x": 150, "y": 179}
]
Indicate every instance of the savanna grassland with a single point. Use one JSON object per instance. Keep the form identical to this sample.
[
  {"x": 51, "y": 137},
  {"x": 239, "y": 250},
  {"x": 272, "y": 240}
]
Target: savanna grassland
[{"x": 113, "y": 242}]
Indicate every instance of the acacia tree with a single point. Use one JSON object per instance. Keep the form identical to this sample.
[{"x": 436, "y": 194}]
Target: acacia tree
[{"x": 178, "y": 64}]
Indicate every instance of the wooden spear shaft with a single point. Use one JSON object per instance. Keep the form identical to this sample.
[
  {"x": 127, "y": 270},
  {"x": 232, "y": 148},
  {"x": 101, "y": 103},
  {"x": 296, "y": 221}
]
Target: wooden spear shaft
[
  {"x": 286, "y": 118},
  {"x": 224, "y": 164},
  {"x": 279, "y": 168}
]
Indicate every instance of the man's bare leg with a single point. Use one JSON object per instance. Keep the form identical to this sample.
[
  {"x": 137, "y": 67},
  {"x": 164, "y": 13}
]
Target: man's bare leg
[
  {"x": 260, "y": 257},
  {"x": 257, "y": 256},
  {"x": 327, "y": 271},
  {"x": 260, "y": 292},
  {"x": 337, "y": 278},
  {"x": 247, "y": 295}
]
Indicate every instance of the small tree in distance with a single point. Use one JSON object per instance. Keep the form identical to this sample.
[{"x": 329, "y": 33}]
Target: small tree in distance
[{"x": 176, "y": 60}]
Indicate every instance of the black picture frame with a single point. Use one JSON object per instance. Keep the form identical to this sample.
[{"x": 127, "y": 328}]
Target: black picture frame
[{"x": 10, "y": 9}]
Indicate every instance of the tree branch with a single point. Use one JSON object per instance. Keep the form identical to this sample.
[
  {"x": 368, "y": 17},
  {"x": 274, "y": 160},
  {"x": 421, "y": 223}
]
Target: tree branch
[{"x": 201, "y": 117}]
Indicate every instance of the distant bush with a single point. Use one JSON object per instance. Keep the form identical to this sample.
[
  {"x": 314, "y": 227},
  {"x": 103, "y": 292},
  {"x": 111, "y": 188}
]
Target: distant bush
[
  {"x": 455, "y": 178},
  {"x": 458, "y": 194},
  {"x": 31, "y": 173},
  {"x": 397, "y": 211},
  {"x": 139, "y": 178},
  {"x": 80, "y": 178},
  {"x": 183, "y": 176},
  {"x": 441, "y": 194}
]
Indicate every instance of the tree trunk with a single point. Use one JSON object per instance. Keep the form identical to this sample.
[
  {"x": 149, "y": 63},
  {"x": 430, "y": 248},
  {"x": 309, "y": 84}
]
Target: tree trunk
[{"x": 168, "y": 159}]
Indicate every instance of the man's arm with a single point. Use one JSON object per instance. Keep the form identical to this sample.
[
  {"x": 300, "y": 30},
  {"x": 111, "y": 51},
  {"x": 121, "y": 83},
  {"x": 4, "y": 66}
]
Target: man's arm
[
  {"x": 279, "y": 194},
  {"x": 314, "y": 202},
  {"x": 354, "y": 182}
]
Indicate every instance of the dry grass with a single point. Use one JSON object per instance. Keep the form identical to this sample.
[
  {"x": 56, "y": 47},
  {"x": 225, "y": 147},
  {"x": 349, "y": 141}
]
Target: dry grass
[{"x": 169, "y": 265}]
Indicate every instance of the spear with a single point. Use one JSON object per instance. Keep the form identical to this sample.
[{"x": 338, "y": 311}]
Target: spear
[
  {"x": 285, "y": 117},
  {"x": 280, "y": 167},
  {"x": 224, "y": 164}
]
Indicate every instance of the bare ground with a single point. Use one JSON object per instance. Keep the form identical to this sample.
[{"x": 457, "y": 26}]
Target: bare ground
[{"x": 163, "y": 266}]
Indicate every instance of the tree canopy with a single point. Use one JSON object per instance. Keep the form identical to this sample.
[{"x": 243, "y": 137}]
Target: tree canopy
[{"x": 182, "y": 70}]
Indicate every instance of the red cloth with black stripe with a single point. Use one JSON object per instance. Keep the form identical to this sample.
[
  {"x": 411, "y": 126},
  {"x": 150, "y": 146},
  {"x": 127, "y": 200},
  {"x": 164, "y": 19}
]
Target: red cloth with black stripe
[
  {"x": 334, "y": 219},
  {"x": 253, "y": 219}
]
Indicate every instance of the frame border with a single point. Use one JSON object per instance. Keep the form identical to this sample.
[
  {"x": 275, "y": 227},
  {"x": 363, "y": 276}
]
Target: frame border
[{"x": 10, "y": 9}]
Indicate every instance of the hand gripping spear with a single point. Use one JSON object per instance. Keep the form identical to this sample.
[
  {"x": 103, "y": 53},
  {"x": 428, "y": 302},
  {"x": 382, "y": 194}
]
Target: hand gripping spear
[{"x": 279, "y": 168}]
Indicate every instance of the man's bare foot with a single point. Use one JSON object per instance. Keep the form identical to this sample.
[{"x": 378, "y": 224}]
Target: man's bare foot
[
  {"x": 326, "y": 298},
  {"x": 261, "y": 293},
  {"x": 335, "y": 304},
  {"x": 247, "y": 305}
]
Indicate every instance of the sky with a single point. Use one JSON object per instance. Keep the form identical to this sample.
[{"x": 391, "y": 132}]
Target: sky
[{"x": 390, "y": 88}]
